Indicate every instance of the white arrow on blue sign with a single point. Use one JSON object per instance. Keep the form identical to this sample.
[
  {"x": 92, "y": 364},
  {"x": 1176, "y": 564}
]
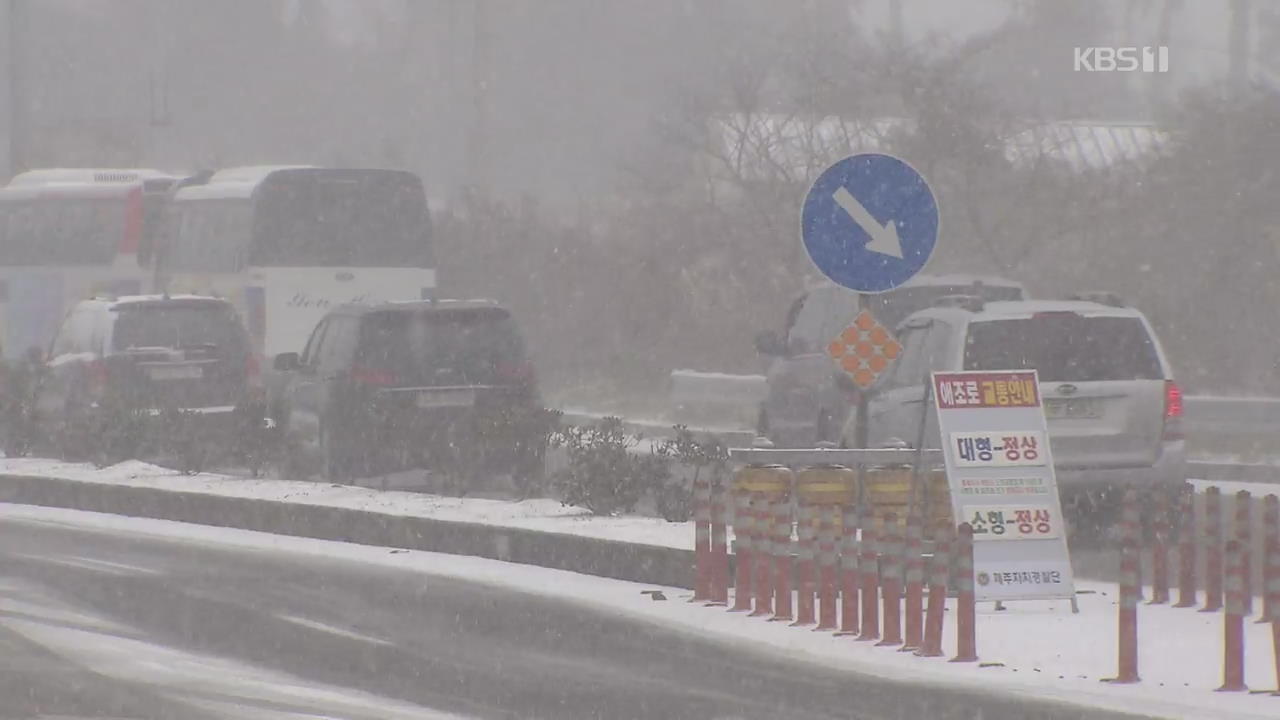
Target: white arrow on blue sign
[{"x": 869, "y": 222}]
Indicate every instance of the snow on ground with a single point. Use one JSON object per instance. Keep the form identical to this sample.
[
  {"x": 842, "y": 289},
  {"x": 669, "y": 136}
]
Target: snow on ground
[
  {"x": 221, "y": 686},
  {"x": 535, "y": 514},
  {"x": 541, "y": 514},
  {"x": 1043, "y": 649},
  {"x": 1229, "y": 487}
]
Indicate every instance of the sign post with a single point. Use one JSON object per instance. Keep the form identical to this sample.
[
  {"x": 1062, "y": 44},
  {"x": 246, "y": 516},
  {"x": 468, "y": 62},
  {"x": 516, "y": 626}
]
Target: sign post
[
  {"x": 869, "y": 222},
  {"x": 1000, "y": 470}
]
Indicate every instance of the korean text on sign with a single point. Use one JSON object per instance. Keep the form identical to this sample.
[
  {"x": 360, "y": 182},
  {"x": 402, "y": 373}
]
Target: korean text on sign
[
  {"x": 1024, "y": 577},
  {"x": 1012, "y": 522},
  {"x": 998, "y": 449},
  {"x": 1003, "y": 486},
  {"x": 986, "y": 391}
]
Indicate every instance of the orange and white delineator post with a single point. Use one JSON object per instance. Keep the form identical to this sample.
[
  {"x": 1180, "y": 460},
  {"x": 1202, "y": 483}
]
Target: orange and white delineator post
[
  {"x": 1160, "y": 548},
  {"x": 849, "y": 569},
  {"x": 1130, "y": 582},
  {"x": 781, "y": 538},
  {"x": 1233, "y": 620},
  {"x": 869, "y": 584},
  {"x": 821, "y": 490},
  {"x": 828, "y": 566},
  {"x": 891, "y": 582},
  {"x": 743, "y": 542},
  {"x": 1213, "y": 550},
  {"x": 702, "y": 539},
  {"x": 763, "y": 485},
  {"x": 806, "y": 552},
  {"x": 721, "y": 515},
  {"x": 1273, "y": 600},
  {"x": 966, "y": 605},
  {"x": 1187, "y": 547},
  {"x": 1271, "y": 560},
  {"x": 1244, "y": 536},
  {"x": 914, "y": 574},
  {"x": 766, "y": 563},
  {"x": 940, "y": 569}
]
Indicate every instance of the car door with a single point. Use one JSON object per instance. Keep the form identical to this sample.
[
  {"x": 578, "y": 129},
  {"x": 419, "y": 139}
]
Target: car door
[
  {"x": 303, "y": 391},
  {"x": 897, "y": 411},
  {"x": 62, "y": 385},
  {"x": 323, "y": 379}
]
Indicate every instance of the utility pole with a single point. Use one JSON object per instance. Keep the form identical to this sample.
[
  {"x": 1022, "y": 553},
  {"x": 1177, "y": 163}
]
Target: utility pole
[
  {"x": 477, "y": 137},
  {"x": 8, "y": 94},
  {"x": 1238, "y": 45},
  {"x": 1156, "y": 90}
]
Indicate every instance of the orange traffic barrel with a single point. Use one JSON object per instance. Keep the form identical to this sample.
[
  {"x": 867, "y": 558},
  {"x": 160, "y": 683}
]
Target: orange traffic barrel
[
  {"x": 827, "y": 485},
  {"x": 771, "y": 482},
  {"x": 889, "y": 490}
]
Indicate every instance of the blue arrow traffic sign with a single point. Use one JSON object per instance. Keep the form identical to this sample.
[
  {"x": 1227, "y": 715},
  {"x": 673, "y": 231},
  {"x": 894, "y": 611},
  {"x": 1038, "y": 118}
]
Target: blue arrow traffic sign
[{"x": 869, "y": 222}]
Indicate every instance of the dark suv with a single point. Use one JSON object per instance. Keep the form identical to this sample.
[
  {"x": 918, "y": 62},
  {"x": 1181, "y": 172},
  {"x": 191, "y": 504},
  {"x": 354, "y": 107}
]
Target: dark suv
[
  {"x": 143, "y": 356},
  {"x": 411, "y": 384}
]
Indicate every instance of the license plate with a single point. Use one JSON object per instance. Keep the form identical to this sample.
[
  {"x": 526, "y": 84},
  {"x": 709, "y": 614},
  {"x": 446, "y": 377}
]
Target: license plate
[
  {"x": 1073, "y": 409},
  {"x": 180, "y": 372},
  {"x": 451, "y": 397}
]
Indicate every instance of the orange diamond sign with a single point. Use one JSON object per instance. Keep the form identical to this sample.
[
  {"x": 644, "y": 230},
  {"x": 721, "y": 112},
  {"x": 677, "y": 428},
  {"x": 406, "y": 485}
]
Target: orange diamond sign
[{"x": 864, "y": 349}]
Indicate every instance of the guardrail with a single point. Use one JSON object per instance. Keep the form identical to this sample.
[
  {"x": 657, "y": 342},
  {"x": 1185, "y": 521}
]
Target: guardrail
[
  {"x": 1219, "y": 415},
  {"x": 1216, "y": 426}
]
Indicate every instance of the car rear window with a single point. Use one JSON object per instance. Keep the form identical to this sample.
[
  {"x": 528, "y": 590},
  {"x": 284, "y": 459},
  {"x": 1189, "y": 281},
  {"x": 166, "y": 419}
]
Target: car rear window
[
  {"x": 1065, "y": 348},
  {"x": 463, "y": 346},
  {"x": 828, "y": 310},
  {"x": 209, "y": 326}
]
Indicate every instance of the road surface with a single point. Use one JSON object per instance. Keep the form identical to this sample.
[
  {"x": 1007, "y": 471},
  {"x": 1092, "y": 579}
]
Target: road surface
[{"x": 97, "y": 623}]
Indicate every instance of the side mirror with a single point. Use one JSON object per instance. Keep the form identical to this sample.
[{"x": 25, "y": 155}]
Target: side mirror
[
  {"x": 285, "y": 362},
  {"x": 768, "y": 343}
]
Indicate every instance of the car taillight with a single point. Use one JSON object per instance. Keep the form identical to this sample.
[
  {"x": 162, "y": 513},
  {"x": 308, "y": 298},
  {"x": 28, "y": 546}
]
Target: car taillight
[
  {"x": 1172, "y": 399},
  {"x": 372, "y": 376},
  {"x": 1172, "y": 411}
]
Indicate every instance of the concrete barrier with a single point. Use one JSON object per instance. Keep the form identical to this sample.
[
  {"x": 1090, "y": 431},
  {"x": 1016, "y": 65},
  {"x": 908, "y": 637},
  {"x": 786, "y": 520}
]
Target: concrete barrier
[
  {"x": 699, "y": 398},
  {"x": 889, "y": 699},
  {"x": 605, "y": 558}
]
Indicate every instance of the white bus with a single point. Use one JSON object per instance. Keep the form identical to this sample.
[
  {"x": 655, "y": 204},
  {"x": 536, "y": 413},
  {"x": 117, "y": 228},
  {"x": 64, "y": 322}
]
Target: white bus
[
  {"x": 67, "y": 234},
  {"x": 286, "y": 243}
]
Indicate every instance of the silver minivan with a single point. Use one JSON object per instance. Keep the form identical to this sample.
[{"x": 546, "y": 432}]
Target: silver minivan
[{"x": 1113, "y": 408}]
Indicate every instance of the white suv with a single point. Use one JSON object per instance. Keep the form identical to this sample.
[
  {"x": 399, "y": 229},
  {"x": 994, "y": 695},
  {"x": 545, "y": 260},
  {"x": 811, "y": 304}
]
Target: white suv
[{"x": 1114, "y": 410}]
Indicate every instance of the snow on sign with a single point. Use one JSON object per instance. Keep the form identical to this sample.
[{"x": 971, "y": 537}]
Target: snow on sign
[
  {"x": 1000, "y": 469},
  {"x": 864, "y": 349},
  {"x": 869, "y": 222}
]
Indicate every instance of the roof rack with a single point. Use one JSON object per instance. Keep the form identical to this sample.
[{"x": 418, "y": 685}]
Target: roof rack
[
  {"x": 972, "y": 303},
  {"x": 1102, "y": 297}
]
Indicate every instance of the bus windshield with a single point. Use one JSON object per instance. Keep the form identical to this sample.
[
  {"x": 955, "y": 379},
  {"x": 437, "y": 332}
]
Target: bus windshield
[
  {"x": 304, "y": 218},
  {"x": 210, "y": 236},
  {"x": 61, "y": 231},
  {"x": 341, "y": 217}
]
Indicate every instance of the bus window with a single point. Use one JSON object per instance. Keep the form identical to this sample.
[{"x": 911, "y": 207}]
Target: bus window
[
  {"x": 61, "y": 232},
  {"x": 344, "y": 218},
  {"x": 210, "y": 237}
]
